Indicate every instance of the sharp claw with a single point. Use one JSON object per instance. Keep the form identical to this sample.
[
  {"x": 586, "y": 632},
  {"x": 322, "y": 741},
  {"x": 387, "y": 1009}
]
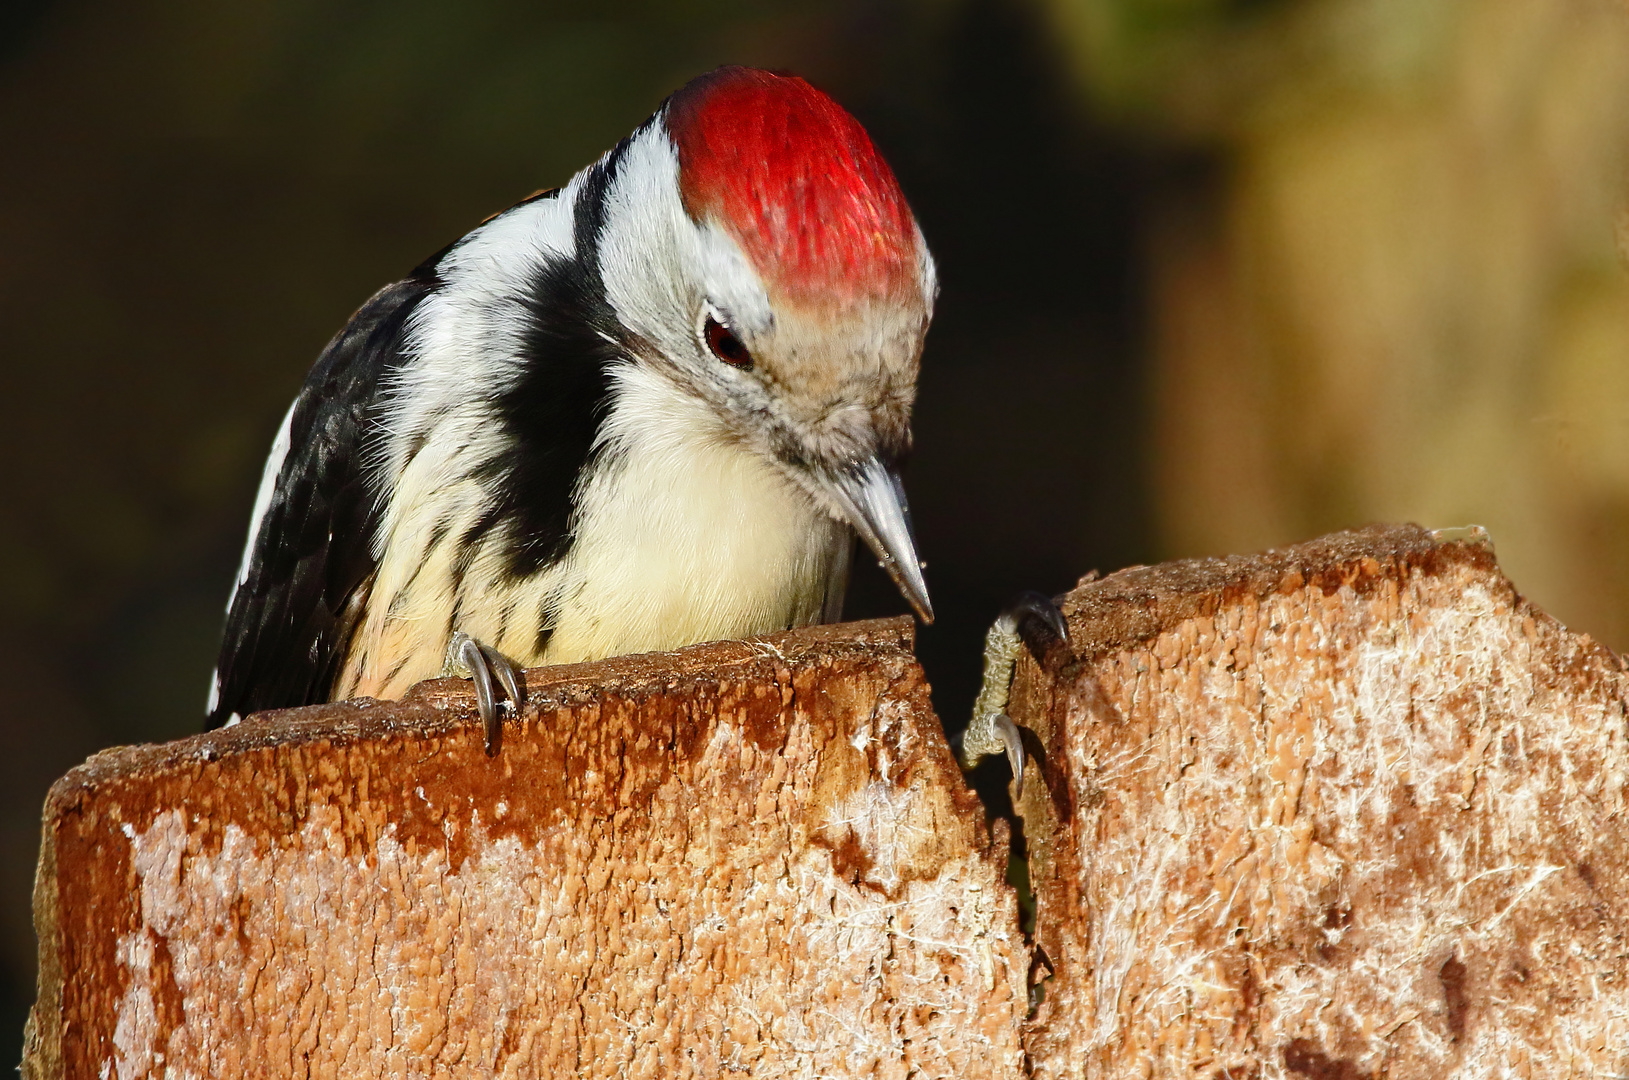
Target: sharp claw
[
  {"x": 1041, "y": 607},
  {"x": 480, "y": 672},
  {"x": 1007, "y": 731},
  {"x": 508, "y": 677},
  {"x": 492, "y": 726}
]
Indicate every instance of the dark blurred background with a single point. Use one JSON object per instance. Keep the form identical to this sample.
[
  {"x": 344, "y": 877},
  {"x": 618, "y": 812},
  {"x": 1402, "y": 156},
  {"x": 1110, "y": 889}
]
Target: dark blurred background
[{"x": 1218, "y": 274}]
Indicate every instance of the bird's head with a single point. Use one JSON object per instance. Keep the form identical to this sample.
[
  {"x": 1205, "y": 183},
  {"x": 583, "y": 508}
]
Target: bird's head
[{"x": 760, "y": 254}]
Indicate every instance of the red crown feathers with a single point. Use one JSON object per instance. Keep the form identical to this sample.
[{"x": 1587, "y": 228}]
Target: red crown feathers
[{"x": 796, "y": 181}]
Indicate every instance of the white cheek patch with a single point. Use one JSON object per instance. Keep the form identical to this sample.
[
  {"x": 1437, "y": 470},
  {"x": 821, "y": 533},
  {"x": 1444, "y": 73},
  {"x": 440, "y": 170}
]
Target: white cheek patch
[
  {"x": 929, "y": 274},
  {"x": 730, "y": 281},
  {"x": 659, "y": 266},
  {"x": 643, "y": 275}
]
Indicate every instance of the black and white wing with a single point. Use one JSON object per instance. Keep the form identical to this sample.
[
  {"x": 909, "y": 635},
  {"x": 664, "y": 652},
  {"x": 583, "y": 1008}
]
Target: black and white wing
[{"x": 309, "y": 563}]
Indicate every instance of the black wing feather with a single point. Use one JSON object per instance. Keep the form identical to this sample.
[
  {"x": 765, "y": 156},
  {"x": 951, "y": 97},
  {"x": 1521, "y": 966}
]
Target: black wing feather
[{"x": 292, "y": 617}]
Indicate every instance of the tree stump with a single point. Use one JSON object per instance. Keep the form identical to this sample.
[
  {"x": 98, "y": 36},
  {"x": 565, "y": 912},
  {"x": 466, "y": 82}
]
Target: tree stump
[
  {"x": 741, "y": 857},
  {"x": 1349, "y": 809},
  {"x": 1352, "y": 809}
]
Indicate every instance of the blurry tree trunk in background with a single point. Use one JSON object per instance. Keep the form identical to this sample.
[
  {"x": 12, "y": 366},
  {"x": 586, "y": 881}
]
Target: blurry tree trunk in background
[{"x": 1399, "y": 297}]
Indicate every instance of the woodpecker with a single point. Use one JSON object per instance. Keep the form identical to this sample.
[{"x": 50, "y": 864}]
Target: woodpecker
[{"x": 649, "y": 408}]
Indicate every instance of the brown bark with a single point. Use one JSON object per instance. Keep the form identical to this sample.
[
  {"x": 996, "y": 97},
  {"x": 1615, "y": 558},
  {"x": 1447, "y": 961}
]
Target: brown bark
[
  {"x": 1349, "y": 809},
  {"x": 741, "y": 856},
  {"x": 1345, "y": 810}
]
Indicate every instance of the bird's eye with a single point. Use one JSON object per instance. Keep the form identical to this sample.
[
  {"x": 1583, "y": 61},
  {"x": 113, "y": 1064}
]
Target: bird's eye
[{"x": 725, "y": 345}]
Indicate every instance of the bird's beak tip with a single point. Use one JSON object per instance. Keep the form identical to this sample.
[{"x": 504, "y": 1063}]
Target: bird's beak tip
[
  {"x": 873, "y": 501},
  {"x": 916, "y": 594},
  {"x": 911, "y": 586}
]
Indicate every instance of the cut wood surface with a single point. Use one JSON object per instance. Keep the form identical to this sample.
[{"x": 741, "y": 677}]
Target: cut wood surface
[
  {"x": 1352, "y": 809},
  {"x": 751, "y": 856},
  {"x": 1349, "y": 809}
]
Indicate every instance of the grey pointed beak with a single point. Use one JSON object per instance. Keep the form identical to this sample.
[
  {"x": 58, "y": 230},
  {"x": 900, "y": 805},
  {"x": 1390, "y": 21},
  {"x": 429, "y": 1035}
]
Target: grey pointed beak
[{"x": 873, "y": 501}]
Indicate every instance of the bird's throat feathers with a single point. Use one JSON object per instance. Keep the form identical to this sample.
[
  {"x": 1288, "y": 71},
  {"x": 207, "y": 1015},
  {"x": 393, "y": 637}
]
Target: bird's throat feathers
[{"x": 675, "y": 539}]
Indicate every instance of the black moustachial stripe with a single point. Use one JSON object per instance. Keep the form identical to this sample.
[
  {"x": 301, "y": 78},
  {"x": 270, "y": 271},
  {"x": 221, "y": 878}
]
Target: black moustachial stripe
[
  {"x": 553, "y": 411},
  {"x": 292, "y": 618}
]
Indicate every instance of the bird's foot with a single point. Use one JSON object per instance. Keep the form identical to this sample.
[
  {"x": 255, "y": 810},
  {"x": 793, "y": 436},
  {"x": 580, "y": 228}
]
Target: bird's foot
[
  {"x": 991, "y": 730},
  {"x": 469, "y": 659}
]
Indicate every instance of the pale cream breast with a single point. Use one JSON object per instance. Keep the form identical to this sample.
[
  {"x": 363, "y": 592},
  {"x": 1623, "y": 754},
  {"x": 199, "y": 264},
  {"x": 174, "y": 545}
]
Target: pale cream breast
[
  {"x": 678, "y": 539},
  {"x": 690, "y": 543}
]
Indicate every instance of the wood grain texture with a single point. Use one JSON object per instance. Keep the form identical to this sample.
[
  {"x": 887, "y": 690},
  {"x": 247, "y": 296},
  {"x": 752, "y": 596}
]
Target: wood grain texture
[
  {"x": 750, "y": 857},
  {"x": 1344, "y": 810},
  {"x": 1351, "y": 809}
]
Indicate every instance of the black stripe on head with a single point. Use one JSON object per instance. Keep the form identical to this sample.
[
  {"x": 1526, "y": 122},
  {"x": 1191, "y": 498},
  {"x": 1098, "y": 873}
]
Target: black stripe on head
[
  {"x": 553, "y": 412},
  {"x": 588, "y": 216}
]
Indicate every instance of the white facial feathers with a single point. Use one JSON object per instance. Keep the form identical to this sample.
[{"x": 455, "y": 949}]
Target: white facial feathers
[{"x": 659, "y": 266}]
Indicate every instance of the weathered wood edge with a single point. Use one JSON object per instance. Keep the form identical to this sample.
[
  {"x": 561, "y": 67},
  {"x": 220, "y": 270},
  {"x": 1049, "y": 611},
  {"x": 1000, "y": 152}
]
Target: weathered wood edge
[
  {"x": 42, "y": 1031},
  {"x": 1131, "y": 606},
  {"x": 1140, "y": 602},
  {"x": 433, "y": 707},
  {"x": 437, "y": 706}
]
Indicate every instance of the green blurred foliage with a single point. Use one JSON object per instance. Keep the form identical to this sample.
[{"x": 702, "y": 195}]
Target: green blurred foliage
[{"x": 1196, "y": 69}]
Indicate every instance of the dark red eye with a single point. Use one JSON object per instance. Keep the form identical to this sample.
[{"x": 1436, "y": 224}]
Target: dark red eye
[{"x": 725, "y": 345}]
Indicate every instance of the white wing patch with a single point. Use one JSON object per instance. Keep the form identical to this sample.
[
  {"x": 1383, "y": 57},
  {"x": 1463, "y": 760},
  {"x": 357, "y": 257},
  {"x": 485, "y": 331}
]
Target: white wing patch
[{"x": 263, "y": 498}]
